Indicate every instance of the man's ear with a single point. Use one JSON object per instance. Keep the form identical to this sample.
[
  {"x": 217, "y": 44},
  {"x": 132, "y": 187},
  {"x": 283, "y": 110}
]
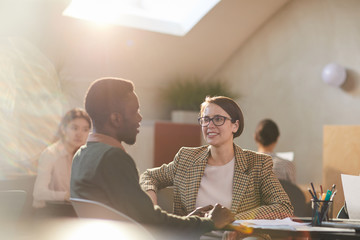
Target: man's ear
[{"x": 116, "y": 119}]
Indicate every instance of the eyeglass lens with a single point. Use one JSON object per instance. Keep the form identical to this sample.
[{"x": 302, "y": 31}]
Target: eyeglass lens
[{"x": 217, "y": 120}]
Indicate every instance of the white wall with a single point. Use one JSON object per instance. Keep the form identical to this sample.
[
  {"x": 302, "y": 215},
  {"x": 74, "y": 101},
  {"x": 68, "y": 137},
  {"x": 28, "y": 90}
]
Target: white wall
[
  {"x": 82, "y": 51},
  {"x": 278, "y": 75}
]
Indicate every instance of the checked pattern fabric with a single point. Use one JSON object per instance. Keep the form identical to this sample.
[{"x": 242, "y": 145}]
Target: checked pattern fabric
[{"x": 257, "y": 193}]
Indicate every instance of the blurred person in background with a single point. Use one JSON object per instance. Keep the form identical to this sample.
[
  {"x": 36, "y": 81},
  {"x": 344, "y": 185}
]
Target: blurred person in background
[
  {"x": 266, "y": 137},
  {"x": 52, "y": 185}
]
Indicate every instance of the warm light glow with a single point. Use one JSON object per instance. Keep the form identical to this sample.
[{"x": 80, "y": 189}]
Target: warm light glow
[
  {"x": 175, "y": 17},
  {"x": 97, "y": 230},
  {"x": 31, "y": 106},
  {"x": 94, "y": 229},
  {"x": 104, "y": 11}
]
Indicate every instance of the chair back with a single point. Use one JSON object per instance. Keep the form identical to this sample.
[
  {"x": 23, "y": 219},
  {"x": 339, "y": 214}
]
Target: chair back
[
  {"x": 297, "y": 198},
  {"x": 11, "y": 204},
  {"x": 92, "y": 209}
]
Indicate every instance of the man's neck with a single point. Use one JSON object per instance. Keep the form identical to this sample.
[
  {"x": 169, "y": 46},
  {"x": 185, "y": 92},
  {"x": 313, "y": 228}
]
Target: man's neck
[{"x": 100, "y": 137}]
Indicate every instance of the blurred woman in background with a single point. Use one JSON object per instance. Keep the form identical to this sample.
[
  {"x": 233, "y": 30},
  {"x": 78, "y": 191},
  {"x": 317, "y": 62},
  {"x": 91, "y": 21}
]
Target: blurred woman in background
[{"x": 52, "y": 185}]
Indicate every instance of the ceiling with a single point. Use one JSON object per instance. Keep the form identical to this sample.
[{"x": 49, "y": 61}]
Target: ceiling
[
  {"x": 88, "y": 51},
  {"x": 175, "y": 17}
]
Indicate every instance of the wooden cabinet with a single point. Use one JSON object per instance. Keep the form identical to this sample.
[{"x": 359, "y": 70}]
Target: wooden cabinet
[
  {"x": 158, "y": 142},
  {"x": 169, "y": 137},
  {"x": 341, "y": 154}
]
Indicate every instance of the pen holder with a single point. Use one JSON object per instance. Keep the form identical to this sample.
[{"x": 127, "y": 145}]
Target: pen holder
[{"x": 321, "y": 211}]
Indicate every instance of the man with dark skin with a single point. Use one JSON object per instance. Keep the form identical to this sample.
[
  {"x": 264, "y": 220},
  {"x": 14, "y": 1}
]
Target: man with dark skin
[{"x": 102, "y": 170}]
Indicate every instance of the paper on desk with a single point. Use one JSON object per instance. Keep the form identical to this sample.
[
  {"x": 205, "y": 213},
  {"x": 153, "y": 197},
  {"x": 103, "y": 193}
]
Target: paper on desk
[
  {"x": 351, "y": 188},
  {"x": 288, "y": 225},
  {"x": 265, "y": 222}
]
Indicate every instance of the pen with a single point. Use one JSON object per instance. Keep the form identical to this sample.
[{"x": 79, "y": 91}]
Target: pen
[
  {"x": 240, "y": 228},
  {"x": 328, "y": 195},
  {"x": 311, "y": 193},
  {"x": 323, "y": 196},
  {"x": 321, "y": 189},
  {"x": 333, "y": 187},
  {"x": 312, "y": 185},
  {"x": 333, "y": 195}
]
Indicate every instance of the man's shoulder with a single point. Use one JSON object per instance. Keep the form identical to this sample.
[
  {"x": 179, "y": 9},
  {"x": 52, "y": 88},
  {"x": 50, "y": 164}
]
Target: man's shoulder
[
  {"x": 103, "y": 147},
  {"x": 100, "y": 155},
  {"x": 106, "y": 150},
  {"x": 98, "y": 151}
]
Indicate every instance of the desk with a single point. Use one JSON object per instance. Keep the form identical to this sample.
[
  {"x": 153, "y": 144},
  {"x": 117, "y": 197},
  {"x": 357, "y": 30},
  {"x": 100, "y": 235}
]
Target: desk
[
  {"x": 330, "y": 230},
  {"x": 288, "y": 234}
]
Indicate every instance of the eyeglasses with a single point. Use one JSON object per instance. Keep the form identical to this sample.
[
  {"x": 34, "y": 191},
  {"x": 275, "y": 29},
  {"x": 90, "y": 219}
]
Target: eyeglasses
[{"x": 217, "y": 120}]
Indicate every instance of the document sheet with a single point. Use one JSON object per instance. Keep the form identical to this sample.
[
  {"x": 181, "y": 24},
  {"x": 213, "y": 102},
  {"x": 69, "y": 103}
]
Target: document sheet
[{"x": 351, "y": 186}]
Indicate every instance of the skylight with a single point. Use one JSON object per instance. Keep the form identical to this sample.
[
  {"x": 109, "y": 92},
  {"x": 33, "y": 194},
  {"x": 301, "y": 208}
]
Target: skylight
[{"x": 175, "y": 17}]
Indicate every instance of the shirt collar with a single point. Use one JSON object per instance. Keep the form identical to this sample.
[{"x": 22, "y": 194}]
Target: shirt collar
[{"x": 98, "y": 137}]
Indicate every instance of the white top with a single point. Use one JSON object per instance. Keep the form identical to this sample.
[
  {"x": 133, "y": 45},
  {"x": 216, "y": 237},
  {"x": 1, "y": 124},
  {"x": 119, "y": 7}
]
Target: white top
[
  {"x": 216, "y": 185},
  {"x": 53, "y": 177}
]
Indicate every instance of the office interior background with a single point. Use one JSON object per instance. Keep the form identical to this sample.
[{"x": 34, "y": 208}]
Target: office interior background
[{"x": 271, "y": 53}]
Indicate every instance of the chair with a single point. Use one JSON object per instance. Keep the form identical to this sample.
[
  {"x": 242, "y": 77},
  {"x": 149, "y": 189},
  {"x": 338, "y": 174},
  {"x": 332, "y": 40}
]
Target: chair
[
  {"x": 11, "y": 204},
  {"x": 165, "y": 199},
  {"x": 91, "y": 209},
  {"x": 297, "y": 198}
]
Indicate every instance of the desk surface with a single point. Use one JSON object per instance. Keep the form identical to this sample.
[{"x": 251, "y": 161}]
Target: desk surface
[{"x": 329, "y": 230}]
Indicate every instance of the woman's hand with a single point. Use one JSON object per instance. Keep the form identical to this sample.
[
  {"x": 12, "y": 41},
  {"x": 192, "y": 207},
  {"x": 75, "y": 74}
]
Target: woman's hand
[
  {"x": 201, "y": 211},
  {"x": 221, "y": 216},
  {"x": 152, "y": 195}
]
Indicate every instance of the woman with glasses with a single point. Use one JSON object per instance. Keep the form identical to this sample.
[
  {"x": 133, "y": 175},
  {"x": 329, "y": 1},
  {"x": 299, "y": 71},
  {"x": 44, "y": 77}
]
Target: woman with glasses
[{"x": 221, "y": 172}]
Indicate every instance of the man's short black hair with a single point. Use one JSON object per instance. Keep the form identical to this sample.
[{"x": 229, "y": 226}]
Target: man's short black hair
[
  {"x": 106, "y": 95},
  {"x": 267, "y": 132}
]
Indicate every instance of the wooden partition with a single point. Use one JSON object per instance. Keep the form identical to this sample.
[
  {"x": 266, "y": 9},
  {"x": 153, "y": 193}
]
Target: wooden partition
[
  {"x": 341, "y": 154},
  {"x": 170, "y": 137}
]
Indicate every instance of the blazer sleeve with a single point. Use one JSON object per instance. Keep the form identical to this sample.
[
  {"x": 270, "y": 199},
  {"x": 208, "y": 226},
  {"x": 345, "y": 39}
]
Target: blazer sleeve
[
  {"x": 159, "y": 177},
  {"x": 274, "y": 202}
]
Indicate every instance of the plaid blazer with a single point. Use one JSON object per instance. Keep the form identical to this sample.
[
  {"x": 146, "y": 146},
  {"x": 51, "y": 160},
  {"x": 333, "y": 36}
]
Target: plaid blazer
[{"x": 257, "y": 193}]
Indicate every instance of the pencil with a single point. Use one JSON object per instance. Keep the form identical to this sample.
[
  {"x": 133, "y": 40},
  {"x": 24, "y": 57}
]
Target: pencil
[
  {"x": 333, "y": 187},
  {"x": 311, "y": 193},
  {"x": 312, "y": 185}
]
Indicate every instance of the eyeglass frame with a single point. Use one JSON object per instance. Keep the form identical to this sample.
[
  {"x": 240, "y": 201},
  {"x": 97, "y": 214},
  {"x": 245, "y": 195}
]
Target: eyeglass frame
[{"x": 212, "y": 120}]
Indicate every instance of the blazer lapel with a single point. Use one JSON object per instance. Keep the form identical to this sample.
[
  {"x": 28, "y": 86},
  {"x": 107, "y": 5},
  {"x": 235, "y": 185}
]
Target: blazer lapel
[
  {"x": 241, "y": 178},
  {"x": 193, "y": 179}
]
